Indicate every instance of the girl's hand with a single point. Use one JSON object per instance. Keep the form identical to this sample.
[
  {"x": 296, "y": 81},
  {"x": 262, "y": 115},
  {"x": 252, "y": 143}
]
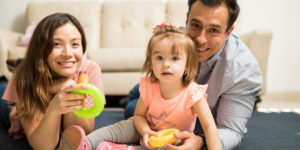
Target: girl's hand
[
  {"x": 64, "y": 101},
  {"x": 145, "y": 138}
]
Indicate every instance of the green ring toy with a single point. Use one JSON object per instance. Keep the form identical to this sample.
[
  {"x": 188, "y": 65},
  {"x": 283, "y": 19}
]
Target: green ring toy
[{"x": 98, "y": 98}]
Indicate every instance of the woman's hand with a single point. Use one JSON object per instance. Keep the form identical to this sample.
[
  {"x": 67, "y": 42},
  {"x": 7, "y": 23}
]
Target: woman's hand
[
  {"x": 64, "y": 101},
  {"x": 190, "y": 141},
  {"x": 59, "y": 83}
]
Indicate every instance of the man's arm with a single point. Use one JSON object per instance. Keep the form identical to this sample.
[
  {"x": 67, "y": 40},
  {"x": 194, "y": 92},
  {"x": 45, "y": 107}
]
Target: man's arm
[
  {"x": 232, "y": 116},
  {"x": 236, "y": 105}
]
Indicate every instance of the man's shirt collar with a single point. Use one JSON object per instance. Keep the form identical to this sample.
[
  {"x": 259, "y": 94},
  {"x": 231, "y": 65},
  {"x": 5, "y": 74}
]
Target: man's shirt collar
[{"x": 213, "y": 60}]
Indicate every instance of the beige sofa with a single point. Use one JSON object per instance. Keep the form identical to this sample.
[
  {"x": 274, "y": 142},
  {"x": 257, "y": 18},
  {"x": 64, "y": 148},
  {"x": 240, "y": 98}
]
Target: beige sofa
[{"x": 117, "y": 33}]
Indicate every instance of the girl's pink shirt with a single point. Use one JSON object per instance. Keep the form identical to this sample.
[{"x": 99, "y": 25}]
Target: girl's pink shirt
[
  {"x": 88, "y": 67},
  {"x": 172, "y": 113}
]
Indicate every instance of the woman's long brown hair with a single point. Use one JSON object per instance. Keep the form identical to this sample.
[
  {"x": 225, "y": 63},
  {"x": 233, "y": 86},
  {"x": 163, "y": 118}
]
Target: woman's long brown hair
[{"x": 34, "y": 76}]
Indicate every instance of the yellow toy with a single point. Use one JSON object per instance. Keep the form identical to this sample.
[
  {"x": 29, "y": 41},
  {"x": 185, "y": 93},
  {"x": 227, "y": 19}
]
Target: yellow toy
[{"x": 164, "y": 137}]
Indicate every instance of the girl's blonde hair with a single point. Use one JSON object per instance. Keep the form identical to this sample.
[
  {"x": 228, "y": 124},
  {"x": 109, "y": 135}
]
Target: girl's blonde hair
[{"x": 179, "y": 41}]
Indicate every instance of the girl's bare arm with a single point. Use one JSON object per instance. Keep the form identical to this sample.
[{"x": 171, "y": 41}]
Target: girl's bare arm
[
  {"x": 208, "y": 124},
  {"x": 141, "y": 123}
]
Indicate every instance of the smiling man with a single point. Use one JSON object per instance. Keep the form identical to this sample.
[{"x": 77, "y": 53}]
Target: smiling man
[
  {"x": 227, "y": 66},
  {"x": 208, "y": 28}
]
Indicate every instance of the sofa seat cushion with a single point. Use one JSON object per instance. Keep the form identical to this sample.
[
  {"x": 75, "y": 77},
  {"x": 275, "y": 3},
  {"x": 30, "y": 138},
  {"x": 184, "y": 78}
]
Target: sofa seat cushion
[
  {"x": 119, "y": 83},
  {"x": 118, "y": 59}
]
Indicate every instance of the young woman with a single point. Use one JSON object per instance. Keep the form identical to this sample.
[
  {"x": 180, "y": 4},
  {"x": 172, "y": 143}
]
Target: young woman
[{"x": 40, "y": 88}]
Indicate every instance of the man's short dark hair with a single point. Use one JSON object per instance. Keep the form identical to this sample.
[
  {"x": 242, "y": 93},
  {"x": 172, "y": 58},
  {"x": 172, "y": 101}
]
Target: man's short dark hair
[{"x": 232, "y": 5}]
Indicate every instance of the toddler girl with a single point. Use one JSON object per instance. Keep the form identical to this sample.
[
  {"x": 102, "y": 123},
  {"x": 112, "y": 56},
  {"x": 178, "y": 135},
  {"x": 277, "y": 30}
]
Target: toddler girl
[{"x": 169, "y": 97}]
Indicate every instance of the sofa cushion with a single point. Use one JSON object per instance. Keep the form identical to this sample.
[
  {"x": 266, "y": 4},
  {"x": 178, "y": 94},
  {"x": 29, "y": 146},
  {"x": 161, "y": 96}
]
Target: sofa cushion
[
  {"x": 88, "y": 14},
  {"x": 118, "y": 59},
  {"x": 119, "y": 83},
  {"x": 129, "y": 23}
]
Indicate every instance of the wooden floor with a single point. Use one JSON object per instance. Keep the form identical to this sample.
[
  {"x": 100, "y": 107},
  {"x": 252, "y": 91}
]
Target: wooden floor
[{"x": 280, "y": 102}]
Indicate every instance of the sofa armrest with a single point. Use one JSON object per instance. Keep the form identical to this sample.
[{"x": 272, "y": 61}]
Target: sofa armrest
[
  {"x": 11, "y": 37},
  {"x": 7, "y": 40},
  {"x": 259, "y": 42}
]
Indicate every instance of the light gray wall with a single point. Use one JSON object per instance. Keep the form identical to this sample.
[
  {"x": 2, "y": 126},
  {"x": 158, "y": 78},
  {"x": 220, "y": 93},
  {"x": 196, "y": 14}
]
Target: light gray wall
[
  {"x": 280, "y": 16},
  {"x": 283, "y": 18},
  {"x": 12, "y": 14}
]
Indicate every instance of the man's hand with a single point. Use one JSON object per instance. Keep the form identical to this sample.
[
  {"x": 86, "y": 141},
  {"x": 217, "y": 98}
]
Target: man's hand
[{"x": 190, "y": 142}]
